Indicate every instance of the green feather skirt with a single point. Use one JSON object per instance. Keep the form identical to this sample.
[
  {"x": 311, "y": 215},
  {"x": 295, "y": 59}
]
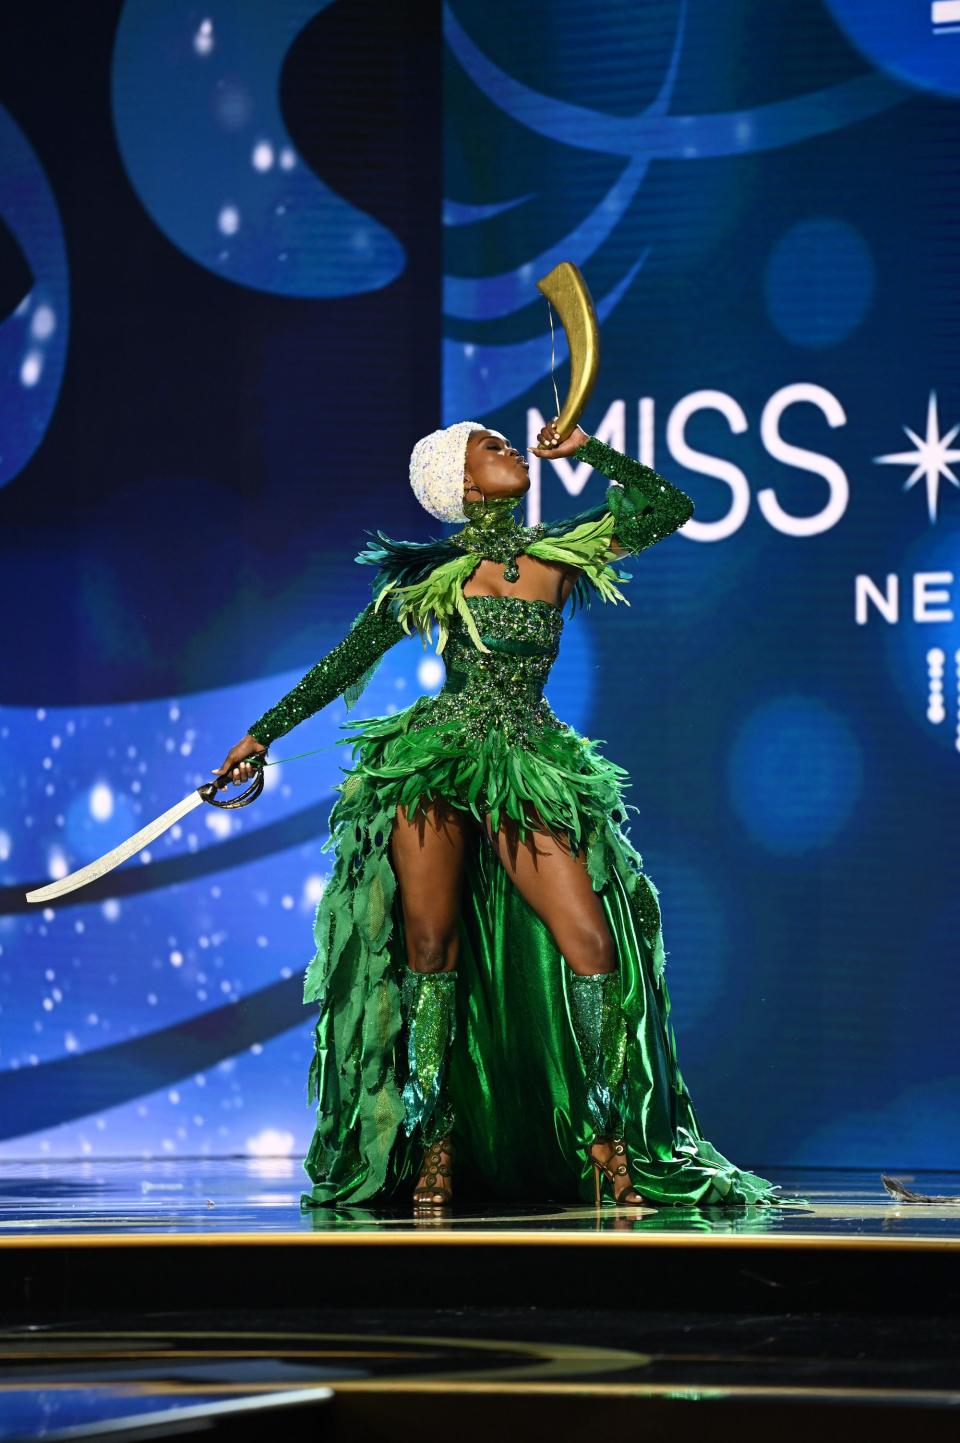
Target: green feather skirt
[{"x": 515, "y": 1077}]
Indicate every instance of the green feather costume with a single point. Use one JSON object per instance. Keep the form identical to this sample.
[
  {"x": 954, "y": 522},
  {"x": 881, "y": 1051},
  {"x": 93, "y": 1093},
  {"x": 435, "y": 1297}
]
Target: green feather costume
[{"x": 489, "y": 743}]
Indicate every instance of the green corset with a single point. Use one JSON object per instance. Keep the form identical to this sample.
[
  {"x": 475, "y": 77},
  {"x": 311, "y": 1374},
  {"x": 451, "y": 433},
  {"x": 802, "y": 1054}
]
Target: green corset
[{"x": 502, "y": 688}]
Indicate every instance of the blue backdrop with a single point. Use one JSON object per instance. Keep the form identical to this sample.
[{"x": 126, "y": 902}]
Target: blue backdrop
[{"x": 248, "y": 254}]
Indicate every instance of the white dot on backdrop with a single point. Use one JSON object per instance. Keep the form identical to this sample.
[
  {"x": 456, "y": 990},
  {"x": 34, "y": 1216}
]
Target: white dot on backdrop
[
  {"x": 57, "y": 866},
  {"x": 430, "y": 672},
  {"x": 44, "y": 323},
  {"x": 111, "y": 909},
  {"x": 176, "y": 959},
  {"x": 262, "y": 157},
  {"x": 5, "y": 846},
  {"x": 313, "y": 889},
  {"x": 287, "y": 159},
  {"x": 286, "y": 902},
  {"x": 271, "y": 1143},
  {"x": 101, "y": 802},
  {"x": 203, "y": 38},
  {"x": 228, "y": 221},
  {"x": 32, "y": 368},
  {"x": 219, "y": 823}
]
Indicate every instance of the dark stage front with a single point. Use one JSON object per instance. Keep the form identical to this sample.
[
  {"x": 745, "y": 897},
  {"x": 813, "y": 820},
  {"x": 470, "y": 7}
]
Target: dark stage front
[{"x": 133, "y": 1290}]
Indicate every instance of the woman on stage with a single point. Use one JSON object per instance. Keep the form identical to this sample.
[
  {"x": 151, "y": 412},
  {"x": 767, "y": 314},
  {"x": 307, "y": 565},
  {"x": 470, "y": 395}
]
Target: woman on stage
[{"x": 490, "y": 960}]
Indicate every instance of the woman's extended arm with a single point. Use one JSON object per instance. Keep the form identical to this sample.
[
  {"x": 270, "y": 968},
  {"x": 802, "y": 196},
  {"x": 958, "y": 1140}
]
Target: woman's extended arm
[{"x": 372, "y": 634}]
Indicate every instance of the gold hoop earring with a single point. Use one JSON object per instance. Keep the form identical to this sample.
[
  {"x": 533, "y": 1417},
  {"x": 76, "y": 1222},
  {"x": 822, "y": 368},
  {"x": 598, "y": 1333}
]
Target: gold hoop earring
[{"x": 471, "y": 486}]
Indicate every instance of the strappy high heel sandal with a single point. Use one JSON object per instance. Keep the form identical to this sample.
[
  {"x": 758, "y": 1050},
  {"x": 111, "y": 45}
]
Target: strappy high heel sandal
[
  {"x": 612, "y": 1174},
  {"x": 432, "y": 1193}
]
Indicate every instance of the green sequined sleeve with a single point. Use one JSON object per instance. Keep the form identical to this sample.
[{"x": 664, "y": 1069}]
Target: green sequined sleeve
[
  {"x": 345, "y": 669},
  {"x": 645, "y": 506}
]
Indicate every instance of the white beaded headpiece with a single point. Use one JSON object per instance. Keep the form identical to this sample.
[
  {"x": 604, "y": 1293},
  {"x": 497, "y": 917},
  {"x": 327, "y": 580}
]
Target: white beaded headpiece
[{"x": 436, "y": 470}]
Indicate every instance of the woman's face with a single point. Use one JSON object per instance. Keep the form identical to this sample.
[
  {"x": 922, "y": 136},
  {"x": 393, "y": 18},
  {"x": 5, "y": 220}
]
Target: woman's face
[{"x": 493, "y": 468}]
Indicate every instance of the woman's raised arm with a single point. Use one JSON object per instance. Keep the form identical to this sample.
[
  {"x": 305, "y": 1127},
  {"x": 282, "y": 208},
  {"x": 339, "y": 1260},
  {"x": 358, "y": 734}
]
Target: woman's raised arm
[{"x": 644, "y": 505}]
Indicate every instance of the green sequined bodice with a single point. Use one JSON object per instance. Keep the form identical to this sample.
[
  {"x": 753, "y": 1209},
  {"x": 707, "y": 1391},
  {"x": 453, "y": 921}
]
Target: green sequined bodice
[{"x": 502, "y": 688}]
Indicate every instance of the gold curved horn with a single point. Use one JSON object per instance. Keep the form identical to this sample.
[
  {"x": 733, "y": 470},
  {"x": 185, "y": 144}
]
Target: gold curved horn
[{"x": 567, "y": 292}]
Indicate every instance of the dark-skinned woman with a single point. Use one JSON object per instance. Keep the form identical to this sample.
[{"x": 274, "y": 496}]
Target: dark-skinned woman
[{"x": 490, "y": 959}]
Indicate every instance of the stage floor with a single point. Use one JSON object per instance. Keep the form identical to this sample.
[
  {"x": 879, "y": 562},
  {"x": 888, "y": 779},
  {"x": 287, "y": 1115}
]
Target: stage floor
[
  {"x": 130, "y": 1290},
  {"x": 256, "y": 1200}
]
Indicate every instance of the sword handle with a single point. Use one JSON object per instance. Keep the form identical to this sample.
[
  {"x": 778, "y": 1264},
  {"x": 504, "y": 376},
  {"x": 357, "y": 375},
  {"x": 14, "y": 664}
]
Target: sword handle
[{"x": 209, "y": 789}]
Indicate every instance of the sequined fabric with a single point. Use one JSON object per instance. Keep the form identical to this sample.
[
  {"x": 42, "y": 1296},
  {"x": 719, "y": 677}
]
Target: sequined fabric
[
  {"x": 494, "y": 534},
  {"x": 429, "y": 1010},
  {"x": 502, "y": 689},
  {"x": 489, "y": 743},
  {"x": 645, "y": 506},
  {"x": 600, "y": 1029},
  {"x": 640, "y": 509}
]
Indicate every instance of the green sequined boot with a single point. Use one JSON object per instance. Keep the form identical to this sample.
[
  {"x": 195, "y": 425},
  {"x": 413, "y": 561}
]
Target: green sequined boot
[
  {"x": 601, "y": 1033},
  {"x": 429, "y": 1010}
]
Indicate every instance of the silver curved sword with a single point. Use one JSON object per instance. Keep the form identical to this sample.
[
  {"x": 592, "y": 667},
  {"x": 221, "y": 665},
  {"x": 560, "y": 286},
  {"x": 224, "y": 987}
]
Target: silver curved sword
[{"x": 207, "y": 793}]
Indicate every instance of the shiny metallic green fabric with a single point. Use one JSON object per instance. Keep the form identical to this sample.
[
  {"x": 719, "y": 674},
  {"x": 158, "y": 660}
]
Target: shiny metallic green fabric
[{"x": 516, "y": 1080}]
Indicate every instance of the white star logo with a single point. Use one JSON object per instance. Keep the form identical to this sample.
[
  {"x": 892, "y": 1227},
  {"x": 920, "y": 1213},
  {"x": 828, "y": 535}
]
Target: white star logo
[{"x": 930, "y": 459}]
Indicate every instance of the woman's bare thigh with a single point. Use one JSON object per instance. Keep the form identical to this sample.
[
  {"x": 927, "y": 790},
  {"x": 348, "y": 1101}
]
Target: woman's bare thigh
[
  {"x": 428, "y": 854},
  {"x": 557, "y": 886}
]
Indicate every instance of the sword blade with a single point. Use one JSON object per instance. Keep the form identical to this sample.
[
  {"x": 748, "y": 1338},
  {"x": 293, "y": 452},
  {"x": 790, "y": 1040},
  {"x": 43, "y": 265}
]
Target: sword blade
[{"x": 93, "y": 870}]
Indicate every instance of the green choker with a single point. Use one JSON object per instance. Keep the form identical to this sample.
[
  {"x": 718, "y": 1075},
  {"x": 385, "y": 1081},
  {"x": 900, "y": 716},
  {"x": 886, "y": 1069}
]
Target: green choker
[{"x": 493, "y": 533}]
